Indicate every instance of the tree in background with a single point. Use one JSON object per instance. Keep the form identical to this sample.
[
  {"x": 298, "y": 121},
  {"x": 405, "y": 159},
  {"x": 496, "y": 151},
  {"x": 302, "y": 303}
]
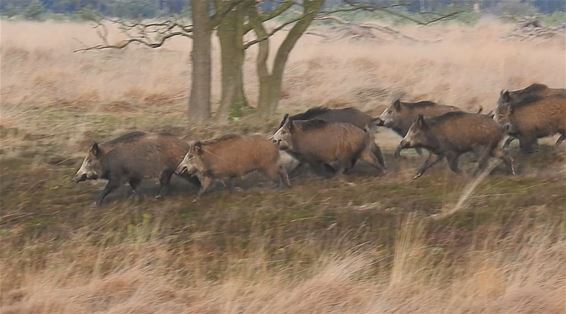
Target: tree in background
[{"x": 232, "y": 20}]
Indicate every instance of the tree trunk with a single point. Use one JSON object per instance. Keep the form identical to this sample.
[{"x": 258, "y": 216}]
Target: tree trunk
[
  {"x": 272, "y": 83},
  {"x": 230, "y": 35},
  {"x": 201, "y": 76}
]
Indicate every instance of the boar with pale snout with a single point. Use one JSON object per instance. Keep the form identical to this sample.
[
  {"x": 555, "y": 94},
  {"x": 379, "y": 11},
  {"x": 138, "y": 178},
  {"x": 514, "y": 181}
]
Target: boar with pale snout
[
  {"x": 347, "y": 115},
  {"x": 232, "y": 156},
  {"x": 336, "y": 145},
  {"x": 400, "y": 116},
  {"x": 132, "y": 157},
  {"x": 453, "y": 134},
  {"x": 532, "y": 117}
]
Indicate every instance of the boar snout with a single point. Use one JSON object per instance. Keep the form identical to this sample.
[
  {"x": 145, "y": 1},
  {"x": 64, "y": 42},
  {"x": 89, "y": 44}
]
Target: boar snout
[
  {"x": 79, "y": 177},
  {"x": 181, "y": 169},
  {"x": 404, "y": 144},
  {"x": 378, "y": 122}
]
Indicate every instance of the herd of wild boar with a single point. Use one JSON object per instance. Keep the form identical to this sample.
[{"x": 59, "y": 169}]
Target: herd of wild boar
[{"x": 331, "y": 141}]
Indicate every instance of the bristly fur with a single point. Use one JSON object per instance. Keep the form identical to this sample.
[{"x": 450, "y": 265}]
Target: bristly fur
[
  {"x": 535, "y": 87},
  {"x": 446, "y": 116},
  {"x": 220, "y": 138},
  {"x": 418, "y": 104},
  {"x": 128, "y": 137},
  {"x": 528, "y": 99},
  {"x": 309, "y": 114},
  {"x": 307, "y": 125}
]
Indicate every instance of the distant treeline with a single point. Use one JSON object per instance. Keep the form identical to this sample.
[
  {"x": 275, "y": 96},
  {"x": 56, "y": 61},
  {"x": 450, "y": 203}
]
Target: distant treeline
[{"x": 154, "y": 8}]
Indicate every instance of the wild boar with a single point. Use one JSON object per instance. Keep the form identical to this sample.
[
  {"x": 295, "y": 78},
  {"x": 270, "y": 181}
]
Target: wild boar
[
  {"x": 532, "y": 118},
  {"x": 511, "y": 97},
  {"x": 347, "y": 115},
  {"x": 335, "y": 144},
  {"x": 400, "y": 116},
  {"x": 232, "y": 156},
  {"x": 132, "y": 157},
  {"x": 453, "y": 134}
]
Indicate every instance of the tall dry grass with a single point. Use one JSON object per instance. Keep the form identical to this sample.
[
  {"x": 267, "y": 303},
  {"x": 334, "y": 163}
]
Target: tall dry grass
[
  {"x": 459, "y": 65},
  {"x": 518, "y": 270}
]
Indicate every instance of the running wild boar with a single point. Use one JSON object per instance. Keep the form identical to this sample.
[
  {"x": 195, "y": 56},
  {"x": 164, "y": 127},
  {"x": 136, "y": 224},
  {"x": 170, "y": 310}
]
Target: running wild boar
[
  {"x": 511, "y": 97},
  {"x": 453, "y": 134},
  {"x": 132, "y": 157},
  {"x": 347, "y": 115},
  {"x": 400, "y": 116},
  {"x": 232, "y": 156},
  {"x": 335, "y": 144},
  {"x": 532, "y": 118}
]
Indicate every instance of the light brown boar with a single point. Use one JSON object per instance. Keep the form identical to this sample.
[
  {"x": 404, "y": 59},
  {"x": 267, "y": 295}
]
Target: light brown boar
[
  {"x": 232, "y": 156},
  {"x": 453, "y": 134},
  {"x": 132, "y": 157},
  {"x": 532, "y": 118},
  {"x": 335, "y": 144},
  {"x": 399, "y": 116}
]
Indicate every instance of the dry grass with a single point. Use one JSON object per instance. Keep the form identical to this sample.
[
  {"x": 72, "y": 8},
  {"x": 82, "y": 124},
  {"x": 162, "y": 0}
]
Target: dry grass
[{"x": 368, "y": 245}]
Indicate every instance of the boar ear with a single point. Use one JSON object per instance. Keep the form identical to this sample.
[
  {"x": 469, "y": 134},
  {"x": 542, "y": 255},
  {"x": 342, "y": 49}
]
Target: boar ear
[
  {"x": 95, "y": 150},
  {"x": 505, "y": 95},
  {"x": 198, "y": 148},
  {"x": 285, "y": 118},
  {"x": 397, "y": 104},
  {"x": 421, "y": 122}
]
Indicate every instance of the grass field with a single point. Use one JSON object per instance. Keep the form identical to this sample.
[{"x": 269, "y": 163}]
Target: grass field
[{"x": 361, "y": 244}]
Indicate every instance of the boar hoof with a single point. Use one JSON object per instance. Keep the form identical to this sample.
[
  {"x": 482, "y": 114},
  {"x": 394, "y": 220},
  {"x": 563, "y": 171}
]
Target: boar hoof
[{"x": 418, "y": 175}]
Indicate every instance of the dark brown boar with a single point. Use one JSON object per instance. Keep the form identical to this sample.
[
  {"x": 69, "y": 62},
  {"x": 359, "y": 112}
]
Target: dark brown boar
[
  {"x": 532, "y": 118},
  {"x": 232, "y": 156},
  {"x": 347, "y": 115},
  {"x": 335, "y": 144},
  {"x": 400, "y": 116},
  {"x": 453, "y": 134},
  {"x": 132, "y": 157},
  {"x": 518, "y": 96}
]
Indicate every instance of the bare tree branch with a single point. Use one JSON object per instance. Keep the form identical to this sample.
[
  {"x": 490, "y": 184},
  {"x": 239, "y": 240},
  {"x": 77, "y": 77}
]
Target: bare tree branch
[{"x": 127, "y": 42}]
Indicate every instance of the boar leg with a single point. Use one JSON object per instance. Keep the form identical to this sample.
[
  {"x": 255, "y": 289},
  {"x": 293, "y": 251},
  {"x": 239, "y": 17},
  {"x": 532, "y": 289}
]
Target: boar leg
[
  {"x": 277, "y": 174},
  {"x": 283, "y": 176},
  {"x": 205, "y": 183},
  {"x": 432, "y": 160},
  {"x": 134, "y": 183},
  {"x": 504, "y": 156},
  {"x": 453, "y": 162},
  {"x": 377, "y": 153},
  {"x": 373, "y": 160},
  {"x": 112, "y": 185},
  {"x": 483, "y": 158},
  {"x": 164, "y": 181}
]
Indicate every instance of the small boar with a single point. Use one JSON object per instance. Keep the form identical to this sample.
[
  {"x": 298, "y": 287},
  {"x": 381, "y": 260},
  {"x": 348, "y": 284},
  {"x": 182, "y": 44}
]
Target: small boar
[
  {"x": 532, "y": 118},
  {"x": 454, "y": 133},
  {"x": 132, "y": 157},
  {"x": 335, "y": 144},
  {"x": 400, "y": 116},
  {"x": 347, "y": 115},
  {"x": 232, "y": 156}
]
